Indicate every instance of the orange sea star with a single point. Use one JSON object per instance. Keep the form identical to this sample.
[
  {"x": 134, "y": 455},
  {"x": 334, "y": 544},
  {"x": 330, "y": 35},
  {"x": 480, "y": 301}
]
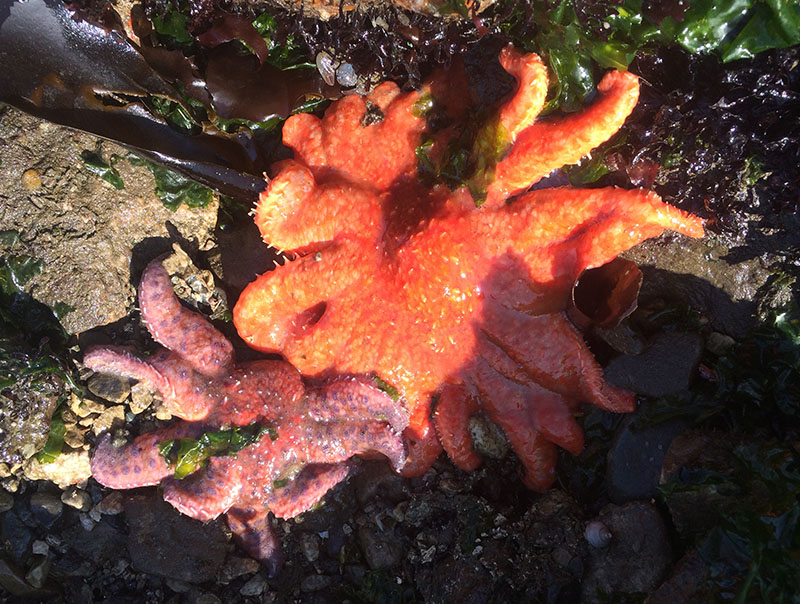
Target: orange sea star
[{"x": 437, "y": 297}]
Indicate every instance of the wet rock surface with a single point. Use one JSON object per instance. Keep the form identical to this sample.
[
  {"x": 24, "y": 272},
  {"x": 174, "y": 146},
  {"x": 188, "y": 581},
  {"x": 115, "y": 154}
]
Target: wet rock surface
[
  {"x": 664, "y": 367},
  {"x": 636, "y": 457},
  {"x": 82, "y": 229},
  {"x": 637, "y": 557},
  {"x": 165, "y": 543}
]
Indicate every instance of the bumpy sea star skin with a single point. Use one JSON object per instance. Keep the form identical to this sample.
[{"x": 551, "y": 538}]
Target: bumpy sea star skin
[
  {"x": 319, "y": 427},
  {"x": 438, "y": 297}
]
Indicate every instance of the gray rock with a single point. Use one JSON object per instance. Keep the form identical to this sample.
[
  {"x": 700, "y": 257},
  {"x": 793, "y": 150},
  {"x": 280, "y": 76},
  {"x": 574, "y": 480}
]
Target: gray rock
[
  {"x": 254, "y": 586},
  {"x": 16, "y": 535},
  {"x": 37, "y": 574},
  {"x": 382, "y": 549},
  {"x": 235, "y": 567},
  {"x": 76, "y": 498},
  {"x": 165, "y": 543},
  {"x": 6, "y": 501},
  {"x": 664, "y": 367},
  {"x": 46, "y": 508},
  {"x": 697, "y": 273},
  {"x": 637, "y": 558},
  {"x": 377, "y": 479},
  {"x": 314, "y": 583},
  {"x": 309, "y": 543},
  {"x": 636, "y": 457},
  {"x": 109, "y": 387},
  {"x": 12, "y": 581},
  {"x": 686, "y": 582},
  {"x": 103, "y": 543},
  {"x": 81, "y": 228}
]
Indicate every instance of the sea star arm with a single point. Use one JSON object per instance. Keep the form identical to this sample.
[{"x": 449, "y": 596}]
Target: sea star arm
[
  {"x": 138, "y": 463},
  {"x": 354, "y": 399},
  {"x": 286, "y": 310},
  {"x": 309, "y": 487},
  {"x": 118, "y": 361},
  {"x": 549, "y": 351},
  {"x": 206, "y": 494},
  {"x": 186, "y": 393},
  {"x": 252, "y": 529},
  {"x": 295, "y": 211},
  {"x": 550, "y": 144},
  {"x": 179, "y": 329},
  {"x": 339, "y": 441},
  {"x": 453, "y": 411},
  {"x": 559, "y": 232},
  {"x": 533, "y": 419}
]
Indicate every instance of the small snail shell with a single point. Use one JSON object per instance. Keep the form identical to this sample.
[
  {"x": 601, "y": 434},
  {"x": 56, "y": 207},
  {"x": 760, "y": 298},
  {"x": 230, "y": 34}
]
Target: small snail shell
[{"x": 597, "y": 534}]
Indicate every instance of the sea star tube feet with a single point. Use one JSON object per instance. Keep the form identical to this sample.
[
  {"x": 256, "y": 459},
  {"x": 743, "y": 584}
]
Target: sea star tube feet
[
  {"x": 442, "y": 299},
  {"x": 315, "y": 429}
]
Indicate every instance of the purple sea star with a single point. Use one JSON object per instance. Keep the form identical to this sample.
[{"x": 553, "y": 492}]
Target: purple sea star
[{"x": 319, "y": 426}]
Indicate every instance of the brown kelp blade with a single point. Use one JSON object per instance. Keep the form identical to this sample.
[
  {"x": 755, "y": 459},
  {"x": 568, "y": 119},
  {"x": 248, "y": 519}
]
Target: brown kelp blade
[{"x": 91, "y": 77}]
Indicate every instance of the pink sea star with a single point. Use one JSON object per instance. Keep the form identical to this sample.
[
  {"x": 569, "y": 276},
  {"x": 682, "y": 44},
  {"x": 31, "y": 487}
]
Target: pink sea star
[{"x": 319, "y": 427}]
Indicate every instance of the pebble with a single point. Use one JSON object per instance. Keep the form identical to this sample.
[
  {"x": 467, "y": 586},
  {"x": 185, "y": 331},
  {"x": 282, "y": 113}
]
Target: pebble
[
  {"x": 346, "y": 76},
  {"x": 31, "y": 180},
  {"x": 111, "y": 505},
  {"x": 86, "y": 522},
  {"x": 70, "y": 467},
  {"x": 719, "y": 343},
  {"x": 112, "y": 417},
  {"x": 82, "y": 407},
  {"x": 141, "y": 398},
  {"x": 37, "y": 574},
  {"x": 314, "y": 583},
  {"x": 11, "y": 484},
  {"x": 254, "y": 586},
  {"x": 46, "y": 507},
  {"x": 73, "y": 436},
  {"x": 487, "y": 437},
  {"x": 76, "y": 498},
  {"x": 381, "y": 549},
  {"x": 310, "y": 546},
  {"x": 109, "y": 387},
  {"x": 6, "y": 501},
  {"x": 163, "y": 413},
  {"x": 235, "y": 567},
  {"x": 40, "y": 548}
]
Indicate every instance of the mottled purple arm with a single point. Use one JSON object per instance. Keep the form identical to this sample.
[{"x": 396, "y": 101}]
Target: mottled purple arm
[
  {"x": 179, "y": 329},
  {"x": 253, "y": 531},
  {"x": 109, "y": 359},
  {"x": 138, "y": 463},
  {"x": 307, "y": 488},
  {"x": 339, "y": 441},
  {"x": 207, "y": 493},
  {"x": 355, "y": 399}
]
